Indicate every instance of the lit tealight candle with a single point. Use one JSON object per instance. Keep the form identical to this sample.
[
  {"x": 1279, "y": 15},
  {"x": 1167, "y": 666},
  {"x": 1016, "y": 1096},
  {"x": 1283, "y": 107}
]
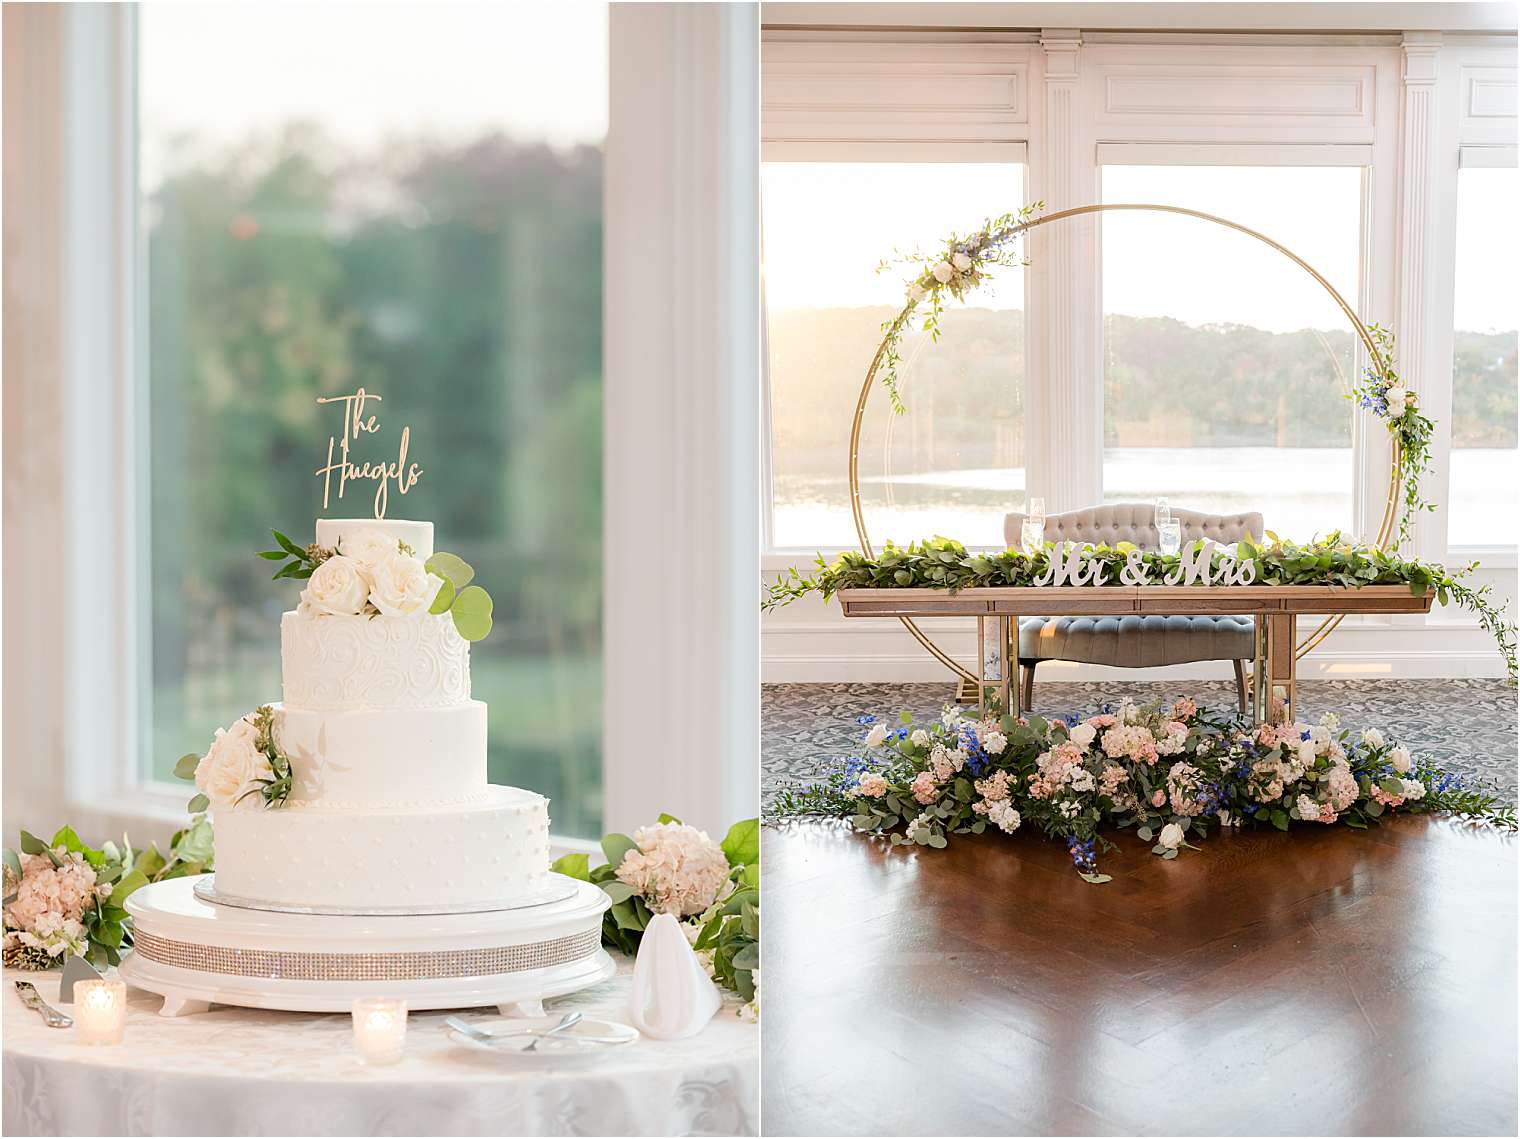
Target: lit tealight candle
[
  {"x": 379, "y": 1029},
  {"x": 100, "y": 1011}
]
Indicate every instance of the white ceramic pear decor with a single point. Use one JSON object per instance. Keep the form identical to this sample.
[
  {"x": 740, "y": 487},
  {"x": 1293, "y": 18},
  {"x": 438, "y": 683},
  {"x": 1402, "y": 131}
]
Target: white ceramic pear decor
[{"x": 673, "y": 997}]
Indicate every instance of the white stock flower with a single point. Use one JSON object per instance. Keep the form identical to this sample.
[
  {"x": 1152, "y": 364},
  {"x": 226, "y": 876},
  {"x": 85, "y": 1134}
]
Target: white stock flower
[
  {"x": 1399, "y": 757},
  {"x": 994, "y": 742},
  {"x": 919, "y": 738},
  {"x": 1307, "y": 808},
  {"x": 336, "y": 587},
  {"x": 876, "y": 736},
  {"x": 232, "y": 762},
  {"x": 368, "y": 548},
  {"x": 1083, "y": 735},
  {"x": 400, "y": 586},
  {"x": 1171, "y": 836},
  {"x": 961, "y": 262},
  {"x": 1330, "y": 720},
  {"x": 943, "y": 272},
  {"x": 1413, "y": 789},
  {"x": 1372, "y": 737}
]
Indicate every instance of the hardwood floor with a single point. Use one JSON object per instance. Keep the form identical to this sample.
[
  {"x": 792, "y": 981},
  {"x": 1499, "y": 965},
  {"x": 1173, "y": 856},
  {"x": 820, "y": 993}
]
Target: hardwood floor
[{"x": 1328, "y": 982}]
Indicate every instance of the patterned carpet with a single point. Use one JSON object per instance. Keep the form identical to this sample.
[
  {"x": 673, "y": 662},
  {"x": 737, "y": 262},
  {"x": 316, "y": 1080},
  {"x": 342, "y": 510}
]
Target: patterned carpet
[{"x": 1467, "y": 726}]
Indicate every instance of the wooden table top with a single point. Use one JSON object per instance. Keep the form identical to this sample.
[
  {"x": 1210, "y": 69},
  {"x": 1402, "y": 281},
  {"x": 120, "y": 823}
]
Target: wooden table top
[{"x": 1041, "y": 601}]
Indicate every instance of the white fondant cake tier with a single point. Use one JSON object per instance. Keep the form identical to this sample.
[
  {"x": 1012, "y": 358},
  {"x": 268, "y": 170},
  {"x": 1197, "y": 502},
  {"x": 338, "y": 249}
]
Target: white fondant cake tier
[
  {"x": 385, "y": 757},
  {"x": 417, "y": 535},
  {"x": 334, "y": 663},
  {"x": 496, "y": 851}
]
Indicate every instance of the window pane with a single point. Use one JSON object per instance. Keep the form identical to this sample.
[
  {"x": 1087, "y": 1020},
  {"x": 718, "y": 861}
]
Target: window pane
[
  {"x": 1485, "y": 465},
  {"x": 415, "y": 207},
  {"x": 954, "y": 464},
  {"x": 1226, "y": 365}
]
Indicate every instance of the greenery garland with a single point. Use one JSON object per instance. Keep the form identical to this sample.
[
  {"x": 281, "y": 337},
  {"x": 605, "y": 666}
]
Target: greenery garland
[
  {"x": 1172, "y": 773},
  {"x": 942, "y": 563}
]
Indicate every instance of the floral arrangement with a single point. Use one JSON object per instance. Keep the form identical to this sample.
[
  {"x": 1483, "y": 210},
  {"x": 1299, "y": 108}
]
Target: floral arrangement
[
  {"x": 63, "y": 897},
  {"x": 941, "y": 563},
  {"x": 712, "y": 888},
  {"x": 1171, "y": 772},
  {"x": 375, "y": 574},
  {"x": 1384, "y": 394},
  {"x": 244, "y": 767}
]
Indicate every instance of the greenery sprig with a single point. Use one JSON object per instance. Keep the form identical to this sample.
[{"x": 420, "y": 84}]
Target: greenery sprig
[
  {"x": 1383, "y": 393},
  {"x": 303, "y": 560},
  {"x": 942, "y": 563}
]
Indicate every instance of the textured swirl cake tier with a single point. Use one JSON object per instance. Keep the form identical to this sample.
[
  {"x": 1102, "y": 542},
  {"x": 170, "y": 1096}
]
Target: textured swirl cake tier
[
  {"x": 333, "y": 663},
  {"x": 492, "y": 852},
  {"x": 385, "y": 757},
  {"x": 417, "y": 535}
]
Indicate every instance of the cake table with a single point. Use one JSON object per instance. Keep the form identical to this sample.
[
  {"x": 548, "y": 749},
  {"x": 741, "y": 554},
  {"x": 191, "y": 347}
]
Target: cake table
[{"x": 242, "y": 1071}]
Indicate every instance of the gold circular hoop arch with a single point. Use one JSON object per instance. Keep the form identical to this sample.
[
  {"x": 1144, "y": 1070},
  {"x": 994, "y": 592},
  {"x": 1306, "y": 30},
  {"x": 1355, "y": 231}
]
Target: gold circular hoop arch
[{"x": 1390, "y": 508}]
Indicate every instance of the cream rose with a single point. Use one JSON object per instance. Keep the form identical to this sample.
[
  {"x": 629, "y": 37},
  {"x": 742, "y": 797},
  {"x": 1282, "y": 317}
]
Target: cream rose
[
  {"x": 1083, "y": 735},
  {"x": 1372, "y": 737},
  {"x": 1399, "y": 757},
  {"x": 961, "y": 262},
  {"x": 1171, "y": 836},
  {"x": 368, "y": 548},
  {"x": 400, "y": 586},
  {"x": 337, "y": 587},
  {"x": 231, "y": 763},
  {"x": 876, "y": 736},
  {"x": 943, "y": 272},
  {"x": 917, "y": 292}
]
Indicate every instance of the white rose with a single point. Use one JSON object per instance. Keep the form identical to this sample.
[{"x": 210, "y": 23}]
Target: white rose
[
  {"x": 961, "y": 262},
  {"x": 400, "y": 586},
  {"x": 1372, "y": 737},
  {"x": 368, "y": 548},
  {"x": 1395, "y": 398},
  {"x": 1399, "y": 757},
  {"x": 917, "y": 292},
  {"x": 231, "y": 762},
  {"x": 920, "y": 738},
  {"x": 1171, "y": 836},
  {"x": 1306, "y": 752},
  {"x": 1083, "y": 735},
  {"x": 336, "y": 587},
  {"x": 876, "y": 736},
  {"x": 943, "y": 272}
]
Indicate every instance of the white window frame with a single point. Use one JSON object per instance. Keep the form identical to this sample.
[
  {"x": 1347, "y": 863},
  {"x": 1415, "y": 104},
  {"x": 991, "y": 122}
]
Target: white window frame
[
  {"x": 776, "y": 557},
  {"x": 84, "y": 695}
]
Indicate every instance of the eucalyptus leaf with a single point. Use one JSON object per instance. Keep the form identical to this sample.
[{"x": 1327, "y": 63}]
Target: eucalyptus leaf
[
  {"x": 443, "y": 598},
  {"x": 31, "y": 844},
  {"x": 13, "y": 862},
  {"x": 748, "y": 957},
  {"x": 472, "y": 613},
  {"x": 616, "y": 847},
  {"x": 452, "y": 568},
  {"x": 185, "y": 765},
  {"x": 617, "y": 891}
]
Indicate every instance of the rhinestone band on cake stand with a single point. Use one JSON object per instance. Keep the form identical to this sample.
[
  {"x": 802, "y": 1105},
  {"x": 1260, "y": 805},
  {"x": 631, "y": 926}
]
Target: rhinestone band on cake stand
[{"x": 195, "y": 953}]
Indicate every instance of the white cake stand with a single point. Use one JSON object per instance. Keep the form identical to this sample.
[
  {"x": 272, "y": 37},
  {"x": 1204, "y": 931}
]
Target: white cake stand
[{"x": 195, "y": 953}]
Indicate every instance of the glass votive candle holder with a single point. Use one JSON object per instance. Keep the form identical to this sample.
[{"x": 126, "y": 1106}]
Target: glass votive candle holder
[
  {"x": 100, "y": 1011},
  {"x": 1032, "y": 536},
  {"x": 379, "y": 1029}
]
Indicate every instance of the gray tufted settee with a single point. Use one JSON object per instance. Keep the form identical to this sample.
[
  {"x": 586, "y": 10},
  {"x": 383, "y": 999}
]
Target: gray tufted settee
[{"x": 1135, "y": 641}]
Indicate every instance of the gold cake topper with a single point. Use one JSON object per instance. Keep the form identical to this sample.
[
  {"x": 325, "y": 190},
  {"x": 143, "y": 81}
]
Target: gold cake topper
[{"x": 356, "y": 423}]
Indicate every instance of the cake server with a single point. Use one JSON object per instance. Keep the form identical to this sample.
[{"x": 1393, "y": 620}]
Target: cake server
[{"x": 33, "y": 1000}]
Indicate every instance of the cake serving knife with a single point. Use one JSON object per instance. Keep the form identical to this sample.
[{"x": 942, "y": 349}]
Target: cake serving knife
[{"x": 32, "y": 999}]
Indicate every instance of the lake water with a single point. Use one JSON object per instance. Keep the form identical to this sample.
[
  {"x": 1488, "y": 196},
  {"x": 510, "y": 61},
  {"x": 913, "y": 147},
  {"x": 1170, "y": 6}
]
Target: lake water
[{"x": 1300, "y": 492}]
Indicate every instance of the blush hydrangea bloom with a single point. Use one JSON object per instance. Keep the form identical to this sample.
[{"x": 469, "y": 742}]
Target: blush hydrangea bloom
[{"x": 677, "y": 869}]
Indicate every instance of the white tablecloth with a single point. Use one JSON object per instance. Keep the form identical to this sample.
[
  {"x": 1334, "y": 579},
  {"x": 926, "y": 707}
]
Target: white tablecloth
[{"x": 235, "y": 1071}]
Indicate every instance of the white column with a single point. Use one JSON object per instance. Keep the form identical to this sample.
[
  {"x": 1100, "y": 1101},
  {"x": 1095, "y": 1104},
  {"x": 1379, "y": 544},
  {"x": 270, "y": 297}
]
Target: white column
[
  {"x": 1065, "y": 428},
  {"x": 1418, "y": 202},
  {"x": 681, "y": 413}
]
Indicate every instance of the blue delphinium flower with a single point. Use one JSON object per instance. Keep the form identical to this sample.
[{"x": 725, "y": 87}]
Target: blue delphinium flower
[
  {"x": 1083, "y": 856},
  {"x": 865, "y": 718}
]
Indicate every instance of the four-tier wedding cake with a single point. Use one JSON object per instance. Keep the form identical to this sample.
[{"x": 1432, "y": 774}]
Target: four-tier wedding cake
[{"x": 365, "y": 789}]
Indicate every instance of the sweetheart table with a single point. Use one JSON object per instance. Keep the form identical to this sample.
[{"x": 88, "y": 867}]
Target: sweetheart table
[
  {"x": 1275, "y": 609},
  {"x": 238, "y": 1071}
]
